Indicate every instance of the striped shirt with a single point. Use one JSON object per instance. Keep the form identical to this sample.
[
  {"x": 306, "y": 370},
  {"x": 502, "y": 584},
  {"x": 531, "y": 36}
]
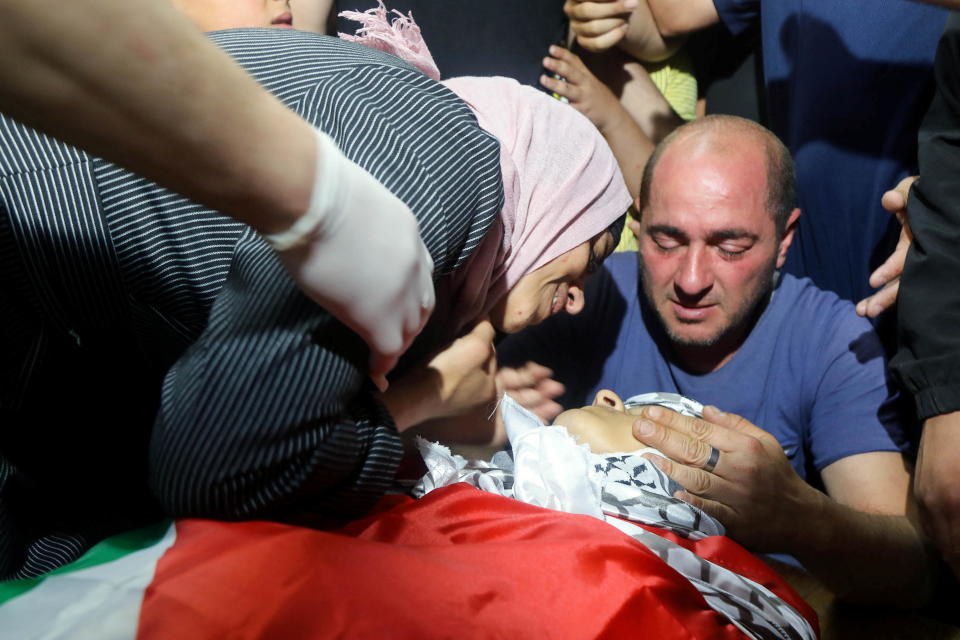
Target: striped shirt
[{"x": 157, "y": 357}]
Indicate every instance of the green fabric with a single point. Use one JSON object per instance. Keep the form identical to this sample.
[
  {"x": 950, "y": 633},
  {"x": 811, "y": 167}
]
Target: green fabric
[{"x": 102, "y": 553}]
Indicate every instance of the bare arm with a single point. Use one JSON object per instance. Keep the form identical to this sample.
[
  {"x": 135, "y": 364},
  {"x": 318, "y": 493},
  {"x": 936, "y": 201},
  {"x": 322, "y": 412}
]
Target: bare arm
[
  {"x": 630, "y": 145},
  {"x": 599, "y": 25},
  {"x": 135, "y": 82},
  {"x": 644, "y": 39},
  {"x": 678, "y": 17},
  {"x": 862, "y": 520}
]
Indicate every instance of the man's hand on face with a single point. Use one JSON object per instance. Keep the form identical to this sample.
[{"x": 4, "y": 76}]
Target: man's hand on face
[
  {"x": 752, "y": 489},
  {"x": 937, "y": 485},
  {"x": 599, "y": 25},
  {"x": 886, "y": 277}
]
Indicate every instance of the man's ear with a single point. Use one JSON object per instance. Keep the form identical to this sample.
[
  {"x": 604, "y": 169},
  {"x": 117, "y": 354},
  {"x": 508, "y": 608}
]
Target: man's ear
[{"x": 787, "y": 239}]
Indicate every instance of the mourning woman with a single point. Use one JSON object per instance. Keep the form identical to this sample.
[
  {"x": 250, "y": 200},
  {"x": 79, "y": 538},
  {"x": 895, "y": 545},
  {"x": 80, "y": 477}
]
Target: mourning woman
[{"x": 172, "y": 368}]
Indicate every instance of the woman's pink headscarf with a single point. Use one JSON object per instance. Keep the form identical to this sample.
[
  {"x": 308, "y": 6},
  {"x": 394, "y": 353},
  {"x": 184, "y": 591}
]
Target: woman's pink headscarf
[{"x": 562, "y": 185}]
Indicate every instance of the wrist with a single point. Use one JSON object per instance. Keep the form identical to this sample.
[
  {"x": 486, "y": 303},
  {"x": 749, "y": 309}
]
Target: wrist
[
  {"x": 411, "y": 399},
  {"x": 809, "y": 524},
  {"x": 327, "y": 182},
  {"x": 613, "y": 122}
]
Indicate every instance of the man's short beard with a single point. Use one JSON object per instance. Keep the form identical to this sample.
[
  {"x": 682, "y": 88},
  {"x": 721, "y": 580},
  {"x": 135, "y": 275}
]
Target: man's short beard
[{"x": 747, "y": 314}]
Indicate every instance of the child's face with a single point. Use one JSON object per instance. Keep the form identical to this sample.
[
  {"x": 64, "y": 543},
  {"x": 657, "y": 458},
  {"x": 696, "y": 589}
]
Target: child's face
[
  {"x": 213, "y": 15},
  {"x": 605, "y": 425}
]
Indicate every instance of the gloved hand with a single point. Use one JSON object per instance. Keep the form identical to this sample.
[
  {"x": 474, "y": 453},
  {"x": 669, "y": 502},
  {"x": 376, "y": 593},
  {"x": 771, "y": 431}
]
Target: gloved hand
[{"x": 357, "y": 252}]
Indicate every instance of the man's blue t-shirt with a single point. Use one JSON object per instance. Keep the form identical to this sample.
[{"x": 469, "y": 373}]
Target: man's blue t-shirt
[
  {"x": 812, "y": 372},
  {"x": 847, "y": 84}
]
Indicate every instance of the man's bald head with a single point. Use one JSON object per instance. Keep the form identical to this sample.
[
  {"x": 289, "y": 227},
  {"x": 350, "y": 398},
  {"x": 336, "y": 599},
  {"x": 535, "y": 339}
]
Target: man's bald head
[{"x": 729, "y": 136}]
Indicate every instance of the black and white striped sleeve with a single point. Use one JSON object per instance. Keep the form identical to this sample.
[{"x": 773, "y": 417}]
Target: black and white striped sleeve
[{"x": 270, "y": 413}]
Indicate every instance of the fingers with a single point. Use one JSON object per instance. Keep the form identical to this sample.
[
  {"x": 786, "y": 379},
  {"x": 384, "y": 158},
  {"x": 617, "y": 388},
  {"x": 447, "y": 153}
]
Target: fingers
[
  {"x": 890, "y": 269},
  {"x": 599, "y": 25},
  {"x": 543, "y": 407},
  {"x": 604, "y": 42},
  {"x": 887, "y": 276},
  {"x": 698, "y": 484},
  {"x": 380, "y": 382},
  {"x": 564, "y": 89},
  {"x": 588, "y": 11},
  {"x": 893, "y": 201},
  {"x": 569, "y": 67},
  {"x": 874, "y": 305},
  {"x": 738, "y": 424},
  {"x": 713, "y": 508},
  {"x": 678, "y": 444},
  {"x": 529, "y": 375}
]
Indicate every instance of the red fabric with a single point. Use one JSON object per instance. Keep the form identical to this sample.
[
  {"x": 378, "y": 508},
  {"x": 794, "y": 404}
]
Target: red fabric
[
  {"x": 459, "y": 563},
  {"x": 730, "y": 555}
]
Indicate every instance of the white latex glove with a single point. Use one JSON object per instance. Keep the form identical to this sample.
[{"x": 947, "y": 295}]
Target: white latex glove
[{"x": 357, "y": 251}]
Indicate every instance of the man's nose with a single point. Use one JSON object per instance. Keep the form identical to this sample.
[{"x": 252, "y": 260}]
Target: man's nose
[
  {"x": 574, "y": 299},
  {"x": 694, "y": 277}
]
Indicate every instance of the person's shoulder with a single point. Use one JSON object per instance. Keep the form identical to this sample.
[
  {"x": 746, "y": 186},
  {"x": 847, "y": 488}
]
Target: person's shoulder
[
  {"x": 805, "y": 299},
  {"x": 822, "y": 317},
  {"x": 294, "y": 58}
]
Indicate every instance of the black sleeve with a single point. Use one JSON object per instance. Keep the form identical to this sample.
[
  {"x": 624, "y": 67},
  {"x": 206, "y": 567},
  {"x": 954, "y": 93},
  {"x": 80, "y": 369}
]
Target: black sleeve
[
  {"x": 928, "y": 360},
  {"x": 270, "y": 413},
  {"x": 270, "y": 410}
]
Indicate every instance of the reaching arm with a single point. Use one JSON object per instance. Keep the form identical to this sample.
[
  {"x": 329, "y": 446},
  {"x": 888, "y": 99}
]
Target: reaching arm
[
  {"x": 602, "y": 24},
  {"x": 136, "y": 83},
  {"x": 679, "y": 17},
  {"x": 754, "y": 491},
  {"x": 630, "y": 145},
  {"x": 863, "y": 519}
]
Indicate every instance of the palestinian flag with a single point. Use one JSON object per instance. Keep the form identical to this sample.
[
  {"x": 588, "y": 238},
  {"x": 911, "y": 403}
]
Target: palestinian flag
[{"x": 457, "y": 563}]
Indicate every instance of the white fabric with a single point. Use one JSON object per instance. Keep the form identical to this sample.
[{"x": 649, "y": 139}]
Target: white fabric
[{"x": 101, "y": 602}]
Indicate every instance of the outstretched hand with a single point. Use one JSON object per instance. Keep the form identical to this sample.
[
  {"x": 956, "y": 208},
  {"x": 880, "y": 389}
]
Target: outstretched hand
[
  {"x": 887, "y": 276},
  {"x": 600, "y": 24},
  {"x": 752, "y": 489},
  {"x": 533, "y": 387},
  {"x": 456, "y": 381},
  {"x": 582, "y": 89}
]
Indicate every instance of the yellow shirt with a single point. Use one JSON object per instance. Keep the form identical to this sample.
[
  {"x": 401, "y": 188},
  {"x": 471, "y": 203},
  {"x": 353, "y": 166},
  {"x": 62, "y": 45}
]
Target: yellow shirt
[{"x": 675, "y": 80}]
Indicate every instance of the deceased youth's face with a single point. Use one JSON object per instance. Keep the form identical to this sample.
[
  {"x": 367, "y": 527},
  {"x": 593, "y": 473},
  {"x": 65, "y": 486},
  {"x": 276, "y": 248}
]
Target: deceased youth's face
[{"x": 605, "y": 425}]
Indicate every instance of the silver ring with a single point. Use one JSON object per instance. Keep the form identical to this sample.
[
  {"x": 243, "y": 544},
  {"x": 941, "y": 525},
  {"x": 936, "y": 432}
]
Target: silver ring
[{"x": 712, "y": 460}]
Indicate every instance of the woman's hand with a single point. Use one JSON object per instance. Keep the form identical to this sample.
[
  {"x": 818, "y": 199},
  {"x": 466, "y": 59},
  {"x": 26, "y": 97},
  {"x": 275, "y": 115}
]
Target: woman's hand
[
  {"x": 457, "y": 380},
  {"x": 533, "y": 387}
]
